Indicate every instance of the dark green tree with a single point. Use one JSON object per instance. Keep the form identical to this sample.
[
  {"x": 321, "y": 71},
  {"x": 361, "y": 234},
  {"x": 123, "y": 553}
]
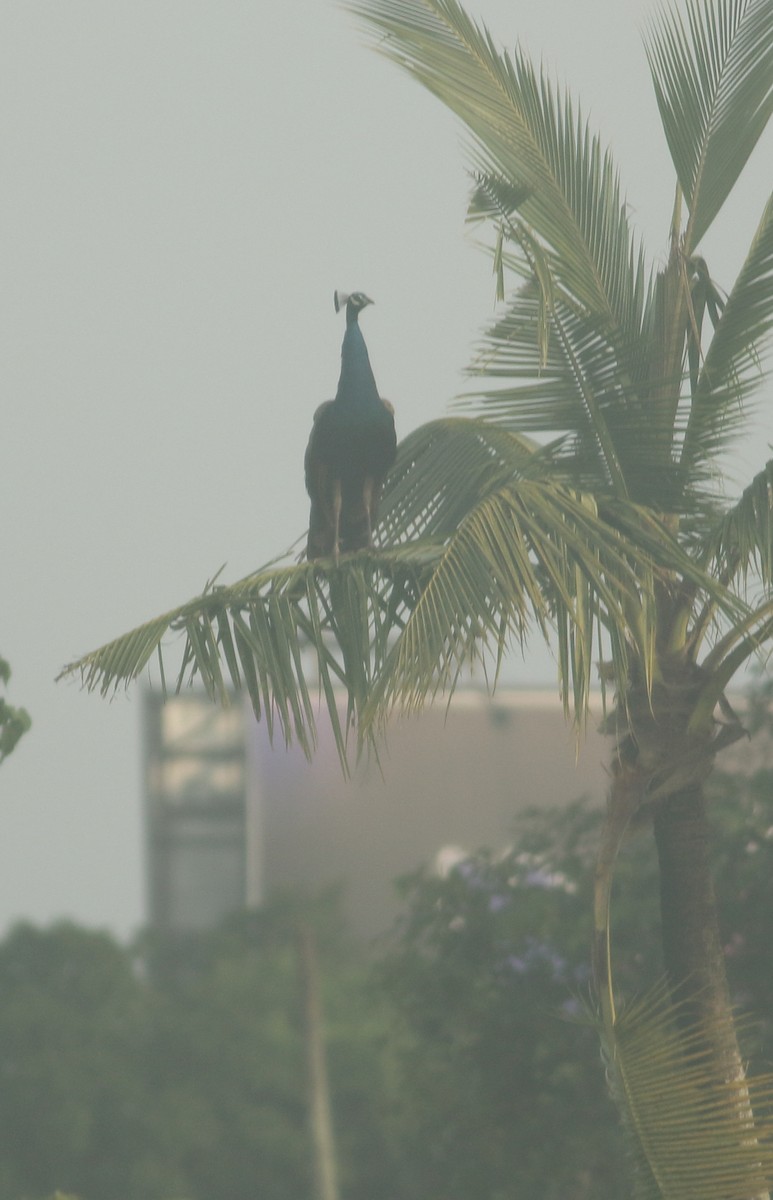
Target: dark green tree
[
  {"x": 120, "y": 1086},
  {"x": 14, "y": 722},
  {"x": 459, "y": 1060},
  {"x": 488, "y": 979},
  {"x": 73, "y": 1108},
  {"x": 503, "y": 1092}
]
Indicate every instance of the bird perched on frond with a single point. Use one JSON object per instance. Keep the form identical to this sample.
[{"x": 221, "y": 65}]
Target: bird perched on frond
[{"x": 351, "y": 448}]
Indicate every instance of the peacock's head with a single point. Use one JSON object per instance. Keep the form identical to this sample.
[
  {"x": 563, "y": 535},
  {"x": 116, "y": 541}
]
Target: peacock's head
[{"x": 354, "y": 302}]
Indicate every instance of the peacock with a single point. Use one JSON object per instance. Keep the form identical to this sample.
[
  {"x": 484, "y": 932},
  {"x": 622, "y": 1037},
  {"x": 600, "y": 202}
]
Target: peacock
[{"x": 351, "y": 448}]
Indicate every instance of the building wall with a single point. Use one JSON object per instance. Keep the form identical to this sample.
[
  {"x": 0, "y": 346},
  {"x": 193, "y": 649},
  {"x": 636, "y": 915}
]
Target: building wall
[
  {"x": 446, "y": 779},
  {"x": 195, "y": 811},
  {"x": 230, "y": 819}
]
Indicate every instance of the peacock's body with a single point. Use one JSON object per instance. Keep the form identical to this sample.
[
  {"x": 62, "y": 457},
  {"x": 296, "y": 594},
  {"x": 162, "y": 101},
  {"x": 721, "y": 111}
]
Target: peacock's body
[{"x": 351, "y": 448}]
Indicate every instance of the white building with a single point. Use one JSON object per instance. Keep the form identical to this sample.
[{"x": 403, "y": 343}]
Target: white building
[{"x": 229, "y": 819}]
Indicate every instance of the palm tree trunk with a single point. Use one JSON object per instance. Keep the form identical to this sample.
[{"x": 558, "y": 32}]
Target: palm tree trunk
[
  {"x": 320, "y": 1114},
  {"x": 692, "y": 943}
]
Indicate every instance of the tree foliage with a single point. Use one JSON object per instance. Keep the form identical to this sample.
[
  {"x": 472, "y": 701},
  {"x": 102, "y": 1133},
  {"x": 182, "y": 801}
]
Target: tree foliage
[
  {"x": 459, "y": 1058},
  {"x": 14, "y": 722},
  {"x": 191, "y": 1084},
  {"x": 495, "y": 1028}
]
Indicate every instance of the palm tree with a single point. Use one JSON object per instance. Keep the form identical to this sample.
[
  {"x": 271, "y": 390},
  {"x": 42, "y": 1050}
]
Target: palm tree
[{"x": 583, "y": 496}]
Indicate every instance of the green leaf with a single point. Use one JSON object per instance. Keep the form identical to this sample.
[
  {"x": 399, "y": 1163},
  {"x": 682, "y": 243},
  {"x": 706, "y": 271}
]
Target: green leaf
[
  {"x": 741, "y": 542},
  {"x": 526, "y": 554},
  {"x": 732, "y": 367},
  {"x": 586, "y": 389},
  {"x": 530, "y": 136},
  {"x": 713, "y": 78},
  {"x": 690, "y": 1136},
  {"x": 253, "y": 634},
  {"x": 14, "y": 722}
]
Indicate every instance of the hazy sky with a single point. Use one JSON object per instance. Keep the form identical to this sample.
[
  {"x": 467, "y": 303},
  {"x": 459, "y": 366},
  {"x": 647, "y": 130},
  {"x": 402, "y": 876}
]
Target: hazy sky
[{"x": 184, "y": 185}]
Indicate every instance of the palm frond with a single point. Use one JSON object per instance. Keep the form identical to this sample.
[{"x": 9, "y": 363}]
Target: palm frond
[
  {"x": 520, "y": 548},
  {"x": 281, "y": 634},
  {"x": 584, "y": 388},
  {"x": 486, "y": 542},
  {"x": 444, "y": 467},
  {"x": 690, "y": 1136},
  {"x": 730, "y": 652},
  {"x": 448, "y": 466},
  {"x": 695, "y": 1125},
  {"x": 618, "y": 411},
  {"x": 526, "y": 554},
  {"x": 713, "y": 79},
  {"x": 530, "y": 136},
  {"x": 732, "y": 369},
  {"x": 741, "y": 542},
  {"x": 284, "y": 633}
]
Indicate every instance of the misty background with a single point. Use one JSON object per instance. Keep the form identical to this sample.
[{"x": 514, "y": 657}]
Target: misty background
[{"x": 184, "y": 185}]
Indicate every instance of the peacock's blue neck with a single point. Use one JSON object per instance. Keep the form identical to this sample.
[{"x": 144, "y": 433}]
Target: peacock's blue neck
[{"x": 356, "y": 384}]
